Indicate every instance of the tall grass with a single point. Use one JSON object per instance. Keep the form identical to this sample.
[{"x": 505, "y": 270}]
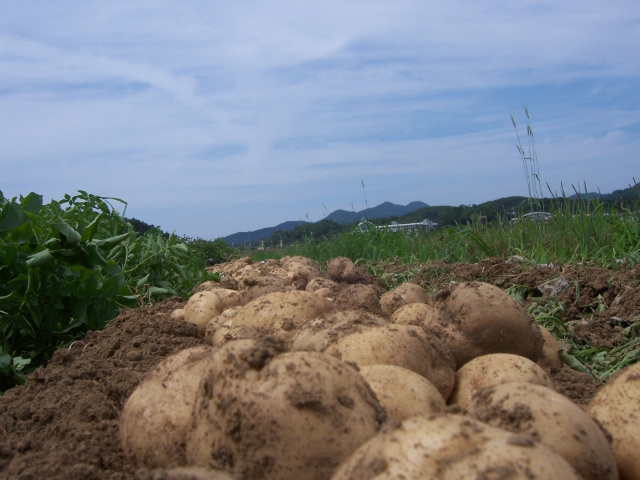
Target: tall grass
[
  {"x": 529, "y": 158},
  {"x": 579, "y": 230}
]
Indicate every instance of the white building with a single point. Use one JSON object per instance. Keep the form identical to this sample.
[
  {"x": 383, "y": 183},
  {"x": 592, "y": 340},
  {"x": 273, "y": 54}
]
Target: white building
[{"x": 423, "y": 226}]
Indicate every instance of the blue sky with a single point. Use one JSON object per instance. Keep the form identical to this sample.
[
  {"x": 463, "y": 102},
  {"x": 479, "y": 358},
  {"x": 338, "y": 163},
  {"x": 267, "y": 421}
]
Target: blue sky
[{"x": 211, "y": 118}]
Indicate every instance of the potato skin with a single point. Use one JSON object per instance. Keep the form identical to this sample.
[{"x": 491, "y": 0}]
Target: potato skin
[
  {"x": 448, "y": 447},
  {"x": 264, "y": 414},
  {"x": 300, "y": 271},
  {"x": 281, "y": 313},
  {"x": 477, "y": 318},
  {"x": 359, "y": 297},
  {"x": 320, "y": 283},
  {"x": 412, "y": 314},
  {"x": 183, "y": 473},
  {"x": 403, "y": 294},
  {"x": 551, "y": 419},
  {"x": 617, "y": 407},
  {"x": 403, "y": 393},
  {"x": 402, "y": 345},
  {"x": 495, "y": 369},
  {"x": 317, "y": 334},
  {"x": 224, "y": 320},
  {"x": 551, "y": 358},
  {"x": 257, "y": 286},
  {"x": 227, "y": 296},
  {"x": 342, "y": 269},
  {"x": 156, "y": 416},
  {"x": 225, "y": 334},
  {"x": 202, "y": 307}
]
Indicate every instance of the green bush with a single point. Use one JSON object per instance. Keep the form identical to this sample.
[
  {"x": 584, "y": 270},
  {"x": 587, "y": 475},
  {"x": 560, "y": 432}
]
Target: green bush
[
  {"x": 212, "y": 252},
  {"x": 69, "y": 266}
]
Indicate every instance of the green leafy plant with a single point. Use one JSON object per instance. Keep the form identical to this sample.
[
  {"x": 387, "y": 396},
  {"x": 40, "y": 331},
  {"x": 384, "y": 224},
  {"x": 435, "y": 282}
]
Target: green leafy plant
[
  {"x": 211, "y": 251},
  {"x": 69, "y": 266}
]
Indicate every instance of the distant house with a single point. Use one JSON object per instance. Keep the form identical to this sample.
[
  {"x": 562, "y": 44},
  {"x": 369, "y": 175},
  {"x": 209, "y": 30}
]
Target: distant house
[
  {"x": 423, "y": 226},
  {"x": 535, "y": 216}
]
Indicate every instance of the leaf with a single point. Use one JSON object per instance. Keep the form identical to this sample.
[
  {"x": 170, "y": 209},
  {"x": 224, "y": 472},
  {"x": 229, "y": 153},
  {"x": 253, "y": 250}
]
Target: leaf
[
  {"x": 19, "y": 363},
  {"x": 180, "y": 247},
  {"x": 111, "y": 241},
  {"x": 65, "y": 229},
  {"x": 40, "y": 259},
  {"x": 73, "y": 325},
  {"x": 142, "y": 281},
  {"x": 159, "y": 290},
  {"x": 112, "y": 268},
  {"x": 113, "y": 285},
  {"x": 92, "y": 257},
  {"x": 11, "y": 216},
  {"x": 5, "y": 360},
  {"x": 90, "y": 230},
  {"x": 31, "y": 203}
]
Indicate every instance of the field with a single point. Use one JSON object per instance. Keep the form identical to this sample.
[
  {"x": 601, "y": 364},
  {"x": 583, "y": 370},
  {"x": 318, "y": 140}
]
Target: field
[{"x": 64, "y": 421}]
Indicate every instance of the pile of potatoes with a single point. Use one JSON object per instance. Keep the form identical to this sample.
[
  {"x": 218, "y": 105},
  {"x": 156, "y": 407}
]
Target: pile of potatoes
[{"x": 312, "y": 375}]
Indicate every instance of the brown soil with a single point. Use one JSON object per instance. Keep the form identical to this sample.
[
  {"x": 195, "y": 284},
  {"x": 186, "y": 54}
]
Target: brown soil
[{"x": 63, "y": 423}]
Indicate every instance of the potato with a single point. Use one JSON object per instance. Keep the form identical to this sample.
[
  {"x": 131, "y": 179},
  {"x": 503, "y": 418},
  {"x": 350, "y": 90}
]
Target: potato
[
  {"x": 617, "y": 407},
  {"x": 228, "y": 297},
  {"x": 183, "y": 473},
  {"x": 264, "y": 414},
  {"x": 228, "y": 332},
  {"x": 359, "y": 297},
  {"x": 325, "y": 293},
  {"x": 320, "y": 282},
  {"x": 282, "y": 313},
  {"x": 178, "y": 314},
  {"x": 322, "y": 331},
  {"x": 300, "y": 272},
  {"x": 402, "y": 295},
  {"x": 494, "y": 369},
  {"x": 224, "y": 320},
  {"x": 231, "y": 268},
  {"x": 402, "y": 345},
  {"x": 551, "y": 358},
  {"x": 249, "y": 272},
  {"x": 323, "y": 287},
  {"x": 412, "y": 314},
  {"x": 202, "y": 307},
  {"x": 296, "y": 271},
  {"x": 208, "y": 285},
  {"x": 551, "y": 419},
  {"x": 156, "y": 416},
  {"x": 258, "y": 286},
  {"x": 477, "y": 318},
  {"x": 342, "y": 269},
  {"x": 270, "y": 263},
  {"x": 451, "y": 447},
  {"x": 403, "y": 393}
]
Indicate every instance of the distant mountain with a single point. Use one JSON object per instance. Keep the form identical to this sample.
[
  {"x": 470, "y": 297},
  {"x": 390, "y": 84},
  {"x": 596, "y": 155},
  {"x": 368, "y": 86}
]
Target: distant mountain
[
  {"x": 631, "y": 192},
  {"x": 384, "y": 210},
  {"x": 343, "y": 217},
  {"x": 418, "y": 211},
  {"x": 242, "y": 238}
]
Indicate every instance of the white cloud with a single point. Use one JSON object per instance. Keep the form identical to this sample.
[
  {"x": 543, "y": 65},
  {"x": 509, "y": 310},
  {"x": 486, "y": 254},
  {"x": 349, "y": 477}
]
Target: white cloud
[{"x": 251, "y": 113}]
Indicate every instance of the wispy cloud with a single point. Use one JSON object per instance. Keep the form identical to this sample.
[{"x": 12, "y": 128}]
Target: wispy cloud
[{"x": 211, "y": 118}]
